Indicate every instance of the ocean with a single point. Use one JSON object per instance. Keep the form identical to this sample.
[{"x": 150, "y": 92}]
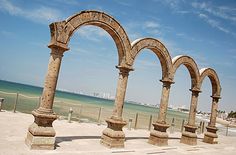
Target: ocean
[{"x": 86, "y": 107}]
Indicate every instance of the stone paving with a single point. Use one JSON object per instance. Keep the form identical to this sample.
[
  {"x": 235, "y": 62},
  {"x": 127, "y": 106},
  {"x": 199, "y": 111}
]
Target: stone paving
[{"x": 84, "y": 139}]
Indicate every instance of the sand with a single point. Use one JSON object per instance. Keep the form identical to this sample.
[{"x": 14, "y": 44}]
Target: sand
[{"x": 83, "y": 139}]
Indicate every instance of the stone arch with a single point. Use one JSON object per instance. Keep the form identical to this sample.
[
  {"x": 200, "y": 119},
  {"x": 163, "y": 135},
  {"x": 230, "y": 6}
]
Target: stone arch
[
  {"x": 62, "y": 31},
  {"x": 190, "y": 64},
  {"x": 157, "y": 47},
  {"x": 215, "y": 82}
]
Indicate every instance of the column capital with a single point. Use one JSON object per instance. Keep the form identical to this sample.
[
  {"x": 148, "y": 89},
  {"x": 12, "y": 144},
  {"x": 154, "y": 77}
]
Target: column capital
[
  {"x": 127, "y": 68},
  {"x": 57, "y": 45},
  {"x": 195, "y": 91},
  {"x": 167, "y": 83},
  {"x": 124, "y": 69},
  {"x": 57, "y": 50},
  {"x": 215, "y": 97}
]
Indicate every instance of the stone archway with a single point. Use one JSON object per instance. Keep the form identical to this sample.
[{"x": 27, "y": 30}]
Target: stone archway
[
  {"x": 158, "y": 48},
  {"x": 189, "y": 136},
  {"x": 158, "y": 136},
  {"x": 210, "y": 135},
  {"x": 61, "y": 32},
  {"x": 41, "y": 134}
]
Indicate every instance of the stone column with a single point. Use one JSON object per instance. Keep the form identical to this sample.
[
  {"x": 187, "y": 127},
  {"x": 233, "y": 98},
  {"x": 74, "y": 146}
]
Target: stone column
[
  {"x": 189, "y": 136},
  {"x": 41, "y": 134},
  {"x": 113, "y": 135},
  {"x": 158, "y": 136},
  {"x": 210, "y": 135}
]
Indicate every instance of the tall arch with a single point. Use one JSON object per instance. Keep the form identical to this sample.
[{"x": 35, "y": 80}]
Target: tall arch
[
  {"x": 189, "y": 135},
  {"x": 158, "y": 136},
  {"x": 157, "y": 47},
  {"x": 61, "y": 32},
  {"x": 210, "y": 135},
  {"x": 190, "y": 64},
  {"x": 215, "y": 82}
]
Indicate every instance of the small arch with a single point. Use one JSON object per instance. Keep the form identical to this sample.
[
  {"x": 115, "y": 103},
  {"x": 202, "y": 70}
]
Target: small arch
[
  {"x": 215, "y": 82},
  {"x": 190, "y": 64},
  {"x": 157, "y": 47},
  {"x": 61, "y": 32}
]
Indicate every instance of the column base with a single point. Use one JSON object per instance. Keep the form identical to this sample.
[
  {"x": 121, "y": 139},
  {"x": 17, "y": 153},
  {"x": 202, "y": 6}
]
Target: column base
[
  {"x": 40, "y": 142},
  {"x": 159, "y": 136},
  {"x": 189, "y": 136},
  {"x": 113, "y": 136},
  {"x": 41, "y": 134},
  {"x": 210, "y": 136}
]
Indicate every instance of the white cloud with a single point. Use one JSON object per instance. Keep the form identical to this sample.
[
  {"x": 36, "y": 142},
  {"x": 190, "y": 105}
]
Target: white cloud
[
  {"x": 145, "y": 64},
  {"x": 188, "y": 37},
  {"x": 92, "y": 33},
  {"x": 41, "y": 14},
  {"x": 200, "y": 59},
  {"x": 123, "y": 2},
  {"x": 152, "y": 27},
  {"x": 213, "y": 23},
  {"x": 132, "y": 30},
  {"x": 175, "y": 5},
  {"x": 223, "y": 12},
  {"x": 151, "y": 24}
]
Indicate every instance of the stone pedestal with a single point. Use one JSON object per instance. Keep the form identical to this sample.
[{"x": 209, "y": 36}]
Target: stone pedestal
[
  {"x": 159, "y": 136},
  {"x": 210, "y": 135},
  {"x": 189, "y": 136},
  {"x": 113, "y": 136},
  {"x": 41, "y": 134}
]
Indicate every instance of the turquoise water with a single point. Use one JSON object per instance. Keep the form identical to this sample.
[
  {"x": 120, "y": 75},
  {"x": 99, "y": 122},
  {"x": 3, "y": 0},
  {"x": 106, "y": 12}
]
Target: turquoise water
[
  {"x": 27, "y": 105},
  {"x": 13, "y": 87}
]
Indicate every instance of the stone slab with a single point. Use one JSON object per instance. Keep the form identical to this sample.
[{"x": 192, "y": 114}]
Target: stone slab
[{"x": 40, "y": 142}]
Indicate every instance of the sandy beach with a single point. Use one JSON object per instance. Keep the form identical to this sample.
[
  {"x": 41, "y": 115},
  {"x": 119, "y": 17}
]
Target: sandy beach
[{"x": 84, "y": 138}]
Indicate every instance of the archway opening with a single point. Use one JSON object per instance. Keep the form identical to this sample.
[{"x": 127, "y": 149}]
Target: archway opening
[
  {"x": 204, "y": 98},
  {"x": 88, "y": 69},
  {"x": 144, "y": 88},
  {"x": 180, "y": 96}
]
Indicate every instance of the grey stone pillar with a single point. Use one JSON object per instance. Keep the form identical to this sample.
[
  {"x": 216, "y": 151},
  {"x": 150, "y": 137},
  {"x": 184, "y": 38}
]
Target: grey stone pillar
[
  {"x": 159, "y": 136},
  {"x": 210, "y": 135},
  {"x": 113, "y": 135},
  {"x": 41, "y": 134},
  {"x": 189, "y": 136}
]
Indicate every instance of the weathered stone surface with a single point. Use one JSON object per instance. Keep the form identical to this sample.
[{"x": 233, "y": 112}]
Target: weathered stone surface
[
  {"x": 61, "y": 32},
  {"x": 41, "y": 134},
  {"x": 120, "y": 92},
  {"x": 113, "y": 135},
  {"x": 189, "y": 136},
  {"x": 40, "y": 142},
  {"x": 158, "y": 136},
  {"x": 210, "y": 136},
  {"x": 190, "y": 65}
]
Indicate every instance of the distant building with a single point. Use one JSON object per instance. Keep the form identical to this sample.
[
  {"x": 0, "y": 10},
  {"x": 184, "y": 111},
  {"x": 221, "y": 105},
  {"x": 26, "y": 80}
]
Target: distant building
[{"x": 183, "y": 110}]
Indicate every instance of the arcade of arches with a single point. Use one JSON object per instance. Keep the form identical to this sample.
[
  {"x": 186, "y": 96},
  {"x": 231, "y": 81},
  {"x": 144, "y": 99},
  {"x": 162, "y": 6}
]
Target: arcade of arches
[{"x": 41, "y": 134}]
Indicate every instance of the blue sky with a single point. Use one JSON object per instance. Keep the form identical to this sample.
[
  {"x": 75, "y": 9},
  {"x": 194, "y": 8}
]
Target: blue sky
[{"x": 204, "y": 30}]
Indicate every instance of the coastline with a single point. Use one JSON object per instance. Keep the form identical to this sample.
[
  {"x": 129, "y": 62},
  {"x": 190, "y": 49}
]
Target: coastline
[{"x": 83, "y": 105}]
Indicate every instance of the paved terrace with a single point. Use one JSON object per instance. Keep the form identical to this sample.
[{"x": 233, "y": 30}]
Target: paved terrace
[{"x": 84, "y": 139}]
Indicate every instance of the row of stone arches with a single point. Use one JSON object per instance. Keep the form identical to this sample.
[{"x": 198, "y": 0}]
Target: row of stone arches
[{"x": 41, "y": 133}]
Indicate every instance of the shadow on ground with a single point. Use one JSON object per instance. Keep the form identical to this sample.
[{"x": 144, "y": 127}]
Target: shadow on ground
[{"x": 71, "y": 138}]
